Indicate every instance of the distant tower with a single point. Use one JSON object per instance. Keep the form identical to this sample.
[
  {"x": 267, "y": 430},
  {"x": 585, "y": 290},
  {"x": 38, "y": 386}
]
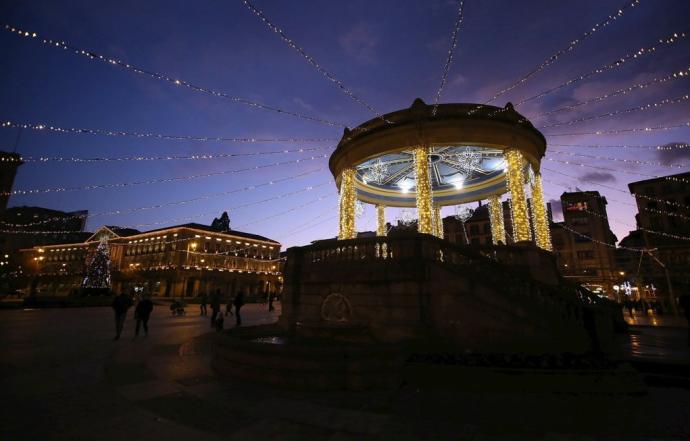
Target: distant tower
[{"x": 9, "y": 162}]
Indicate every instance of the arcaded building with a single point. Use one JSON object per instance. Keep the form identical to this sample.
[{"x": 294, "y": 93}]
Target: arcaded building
[{"x": 179, "y": 261}]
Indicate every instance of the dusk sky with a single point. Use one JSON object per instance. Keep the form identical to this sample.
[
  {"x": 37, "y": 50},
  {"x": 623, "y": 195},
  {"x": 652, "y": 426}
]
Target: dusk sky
[{"x": 387, "y": 52}]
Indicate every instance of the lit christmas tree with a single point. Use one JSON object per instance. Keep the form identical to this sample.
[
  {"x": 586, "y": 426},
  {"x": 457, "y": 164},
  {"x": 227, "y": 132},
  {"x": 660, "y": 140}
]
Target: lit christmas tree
[{"x": 98, "y": 269}]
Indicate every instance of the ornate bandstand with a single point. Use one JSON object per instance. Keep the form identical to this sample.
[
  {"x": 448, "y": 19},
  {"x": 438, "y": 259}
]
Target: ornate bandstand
[{"x": 431, "y": 156}]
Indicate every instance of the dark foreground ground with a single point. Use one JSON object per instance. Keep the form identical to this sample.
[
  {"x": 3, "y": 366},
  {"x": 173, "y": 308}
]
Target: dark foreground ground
[{"x": 63, "y": 377}]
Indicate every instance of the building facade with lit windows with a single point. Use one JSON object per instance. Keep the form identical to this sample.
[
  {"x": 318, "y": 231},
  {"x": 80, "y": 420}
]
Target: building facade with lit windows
[
  {"x": 181, "y": 261},
  {"x": 663, "y": 226},
  {"x": 584, "y": 243}
]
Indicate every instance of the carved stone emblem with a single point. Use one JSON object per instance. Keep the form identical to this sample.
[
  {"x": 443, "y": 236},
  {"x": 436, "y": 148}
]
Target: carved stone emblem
[{"x": 336, "y": 308}]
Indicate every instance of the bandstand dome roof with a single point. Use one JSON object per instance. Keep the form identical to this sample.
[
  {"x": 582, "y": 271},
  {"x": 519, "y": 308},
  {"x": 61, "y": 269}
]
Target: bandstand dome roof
[{"x": 466, "y": 143}]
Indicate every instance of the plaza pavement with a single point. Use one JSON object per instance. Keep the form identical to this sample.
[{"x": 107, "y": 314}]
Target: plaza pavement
[{"x": 62, "y": 377}]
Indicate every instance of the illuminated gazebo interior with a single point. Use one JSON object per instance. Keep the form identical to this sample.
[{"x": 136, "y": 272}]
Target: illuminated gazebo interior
[{"x": 430, "y": 156}]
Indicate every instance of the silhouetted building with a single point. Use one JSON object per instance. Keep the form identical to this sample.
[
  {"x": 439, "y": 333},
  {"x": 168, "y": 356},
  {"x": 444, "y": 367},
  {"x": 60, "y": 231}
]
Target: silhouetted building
[
  {"x": 9, "y": 163},
  {"x": 584, "y": 243},
  {"x": 663, "y": 226},
  {"x": 477, "y": 227}
]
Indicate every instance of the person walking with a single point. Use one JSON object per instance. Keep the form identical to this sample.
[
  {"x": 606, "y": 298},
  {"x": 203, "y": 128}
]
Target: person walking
[
  {"x": 228, "y": 307},
  {"x": 142, "y": 313},
  {"x": 215, "y": 306},
  {"x": 684, "y": 301},
  {"x": 202, "y": 305},
  {"x": 238, "y": 302},
  {"x": 270, "y": 301},
  {"x": 121, "y": 303}
]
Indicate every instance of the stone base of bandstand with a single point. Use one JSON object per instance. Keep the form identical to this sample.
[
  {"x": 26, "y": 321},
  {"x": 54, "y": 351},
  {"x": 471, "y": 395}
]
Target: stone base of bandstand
[{"x": 368, "y": 313}]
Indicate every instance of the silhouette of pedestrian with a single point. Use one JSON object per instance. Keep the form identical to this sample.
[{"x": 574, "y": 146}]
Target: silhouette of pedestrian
[
  {"x": 202, "y": 306},
  {"x": 684, "y": 301},
  {"x": 270, "y": 302},
  {"x": 215, "y": 306},
  {"x": 238, "y": 302},
  {"x": 629, "y": 307},
  {"x": 121, "y": 304},
  {"x": 228, "y": 307},
  {"x": 142, "y": 313}
]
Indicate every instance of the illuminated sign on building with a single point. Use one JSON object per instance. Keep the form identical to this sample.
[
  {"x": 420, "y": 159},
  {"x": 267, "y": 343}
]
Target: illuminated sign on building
[{"x": 576, "y": 206}]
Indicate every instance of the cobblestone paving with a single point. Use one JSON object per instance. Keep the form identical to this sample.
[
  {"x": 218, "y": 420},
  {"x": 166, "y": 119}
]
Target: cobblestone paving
[{"x": 64, "y": 378}]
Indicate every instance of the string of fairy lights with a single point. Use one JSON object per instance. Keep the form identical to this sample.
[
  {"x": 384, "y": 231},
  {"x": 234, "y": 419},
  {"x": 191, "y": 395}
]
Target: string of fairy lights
[
  {"x": 659, "y": 147},
  {"x": 619, "y": 170},
  {"x": 648, "y": 230},
  {"x": 192, "y": 217},
  {"x": 624, "y": 160},
  {"x": 670, "y": 39},
  {"x": 569, "y": 48},
  {"x": 35, "y": 191},
  {"x": 311, "y": 60},
  {"x": 201, "y": 197},
  {"x": 91, "y": 55},
  {"x": 188, "y": 157},
  {"x": 649, "y": 106},
  {"x": 451, "y": 52},
  {"x": 106, "y": 132},
  {"x": 624, "y": 131},
  {"x": 684, "y": 74},
  {"x": 638, "y": 195}
]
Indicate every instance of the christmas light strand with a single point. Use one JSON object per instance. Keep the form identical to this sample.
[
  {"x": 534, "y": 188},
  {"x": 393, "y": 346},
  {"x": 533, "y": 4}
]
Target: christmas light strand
[
  {"x": 288, "y": 41},
  {"x": 190, "y": 157},
  {"x": 205, "y": 197},
  {"x": 121, "y": 185},
  {"x": 59, "y": 44},
  {"x": 619, "y": 170},
  {"x": 565, "y": 227},
  {"x": 660, "y": 147},
  {"x": 624, "y": 160},
  {"x": 668, "y": 40},
  {"x": 451, "y": 51},
  {"x": 571, "y": 46},
  {"x": 308, "y": 224},
  {"x": 236, "y": 207},
  {"x": 624, "y": 91},
  {"x": 623, "y": 131},
  {"x": 185, "y": 218},
  {"x": 659, "y": 233},
  {"x": 105, "y": 132},
  {"x": 290, "y": 210},
  {"x": 648, "y": 106},
  {"x": 630, "y": 204}
]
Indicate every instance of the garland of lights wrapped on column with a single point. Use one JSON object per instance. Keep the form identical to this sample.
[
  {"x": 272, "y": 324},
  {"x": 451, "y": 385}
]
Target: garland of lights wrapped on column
[{"x": 430, "y": 157}]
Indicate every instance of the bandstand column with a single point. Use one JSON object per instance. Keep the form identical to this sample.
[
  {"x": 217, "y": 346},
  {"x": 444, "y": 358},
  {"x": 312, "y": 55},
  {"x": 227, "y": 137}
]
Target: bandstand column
[
  {"x": 438, "y": 223},
  {"x": 539, "y": 217},
  {"x": 380, "y": 220},
  {"x": 498, "y": 229},
  {"x": 424, "y": 198},
  {"x": 518, "y": 203},
  {"x": 348, "y": 200}
]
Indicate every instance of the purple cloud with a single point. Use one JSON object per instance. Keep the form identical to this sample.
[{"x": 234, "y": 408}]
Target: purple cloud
[
  {"x": 360, "y": 43},
  {"x": 599, "y": 177}
]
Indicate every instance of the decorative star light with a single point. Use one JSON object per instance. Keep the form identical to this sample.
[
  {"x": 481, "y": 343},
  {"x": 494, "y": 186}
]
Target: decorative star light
[
  {"x": 359, "y": 209},
  {"x": 463, "y": 213},
  {"x": 530, "y": 176},
  {"x": 378, "y": 171},
  {"x": 406, "y": 217},
  {"x": 467, "y": 160}
]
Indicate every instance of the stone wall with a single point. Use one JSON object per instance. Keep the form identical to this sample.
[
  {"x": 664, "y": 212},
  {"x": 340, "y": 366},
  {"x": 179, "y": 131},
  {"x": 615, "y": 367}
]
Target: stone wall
[{"x": 391, "y": 289}]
